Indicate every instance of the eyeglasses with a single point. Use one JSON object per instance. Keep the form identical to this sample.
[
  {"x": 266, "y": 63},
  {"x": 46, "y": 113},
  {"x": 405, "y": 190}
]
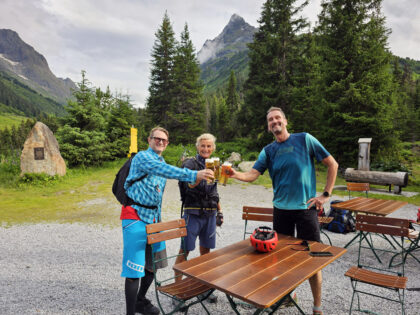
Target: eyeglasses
[{"x": 157, "y": 140}]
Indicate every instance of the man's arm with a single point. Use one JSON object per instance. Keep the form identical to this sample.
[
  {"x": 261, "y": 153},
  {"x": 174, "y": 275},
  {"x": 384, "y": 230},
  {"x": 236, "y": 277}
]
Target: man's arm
[
  {"x": 249, "y": 176},
  {"x": 332, "y": 166}
]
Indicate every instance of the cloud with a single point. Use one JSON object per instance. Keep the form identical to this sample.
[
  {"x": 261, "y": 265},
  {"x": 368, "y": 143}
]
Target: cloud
[{"x": 112, "y": 40}]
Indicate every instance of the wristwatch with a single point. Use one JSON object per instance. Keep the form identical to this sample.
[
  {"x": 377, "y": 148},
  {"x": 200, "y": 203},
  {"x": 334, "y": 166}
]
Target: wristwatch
[{"x": 326, "y": 194}]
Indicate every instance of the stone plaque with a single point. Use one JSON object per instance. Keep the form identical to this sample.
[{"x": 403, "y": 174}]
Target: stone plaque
[{"x": 39, "y": 153}]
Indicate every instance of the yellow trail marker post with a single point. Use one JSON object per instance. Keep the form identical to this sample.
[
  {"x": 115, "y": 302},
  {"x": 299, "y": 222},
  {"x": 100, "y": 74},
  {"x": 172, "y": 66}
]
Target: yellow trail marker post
[{"x": 133, "y": 143}]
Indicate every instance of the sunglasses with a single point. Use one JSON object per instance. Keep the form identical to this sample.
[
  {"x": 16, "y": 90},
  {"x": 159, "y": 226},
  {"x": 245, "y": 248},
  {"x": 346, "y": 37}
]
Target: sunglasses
[
  {"x": 157, "y": 140},
  {"x": 306, "y": 245}
]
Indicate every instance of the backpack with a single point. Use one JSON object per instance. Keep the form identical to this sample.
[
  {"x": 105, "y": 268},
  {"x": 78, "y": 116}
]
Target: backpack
[
  {"x": 343, "y": 222},
  {"x": 118, "y": 186},
  {"x": 183, "y": 185}
]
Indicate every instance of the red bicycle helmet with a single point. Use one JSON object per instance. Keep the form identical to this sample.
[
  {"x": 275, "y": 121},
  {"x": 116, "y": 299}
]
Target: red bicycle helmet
[{"x": 264, "y": 239}]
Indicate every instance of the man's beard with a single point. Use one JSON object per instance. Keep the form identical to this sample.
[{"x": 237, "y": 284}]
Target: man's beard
[{"x": 278, "y": 129}]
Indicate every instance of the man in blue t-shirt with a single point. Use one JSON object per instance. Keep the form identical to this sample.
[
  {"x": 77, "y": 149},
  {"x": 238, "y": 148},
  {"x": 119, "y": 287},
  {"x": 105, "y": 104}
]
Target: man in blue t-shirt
[{"x": 290, "y": 163}]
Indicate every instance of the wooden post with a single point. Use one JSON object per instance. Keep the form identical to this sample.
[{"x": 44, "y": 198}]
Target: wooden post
[
  {"x": 364, "y": 154},
  {"x": 133, "y": 142}
]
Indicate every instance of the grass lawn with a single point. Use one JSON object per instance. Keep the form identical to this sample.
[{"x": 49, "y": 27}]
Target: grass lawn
[
  {"x": 84, "y": 195},
  {"x": 8, "y": 120}
]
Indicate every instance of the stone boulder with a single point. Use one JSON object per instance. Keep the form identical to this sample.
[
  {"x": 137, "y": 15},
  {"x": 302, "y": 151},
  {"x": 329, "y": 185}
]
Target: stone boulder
[
  {"x": 246, "y": 166},
  {"x": 41, "y": 153},
  {"x": 234, "y": 157}
]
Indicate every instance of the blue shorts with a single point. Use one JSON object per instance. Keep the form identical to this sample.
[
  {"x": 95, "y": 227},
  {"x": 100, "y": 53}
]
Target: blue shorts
[
  {"x": 203, "y": 226},
  {"x": 135, "y": 259}
]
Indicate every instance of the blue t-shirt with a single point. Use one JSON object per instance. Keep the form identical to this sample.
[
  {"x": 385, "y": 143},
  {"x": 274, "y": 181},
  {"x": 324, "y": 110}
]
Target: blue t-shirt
[{"x": 292, "y": 170}]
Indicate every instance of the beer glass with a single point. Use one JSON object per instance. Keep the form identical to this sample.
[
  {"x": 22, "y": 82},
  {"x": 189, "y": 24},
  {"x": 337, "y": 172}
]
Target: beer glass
[
  {"x": 226, "y": 167},
  {"x": 216, "y": 169},
  {"x": 210, "y": 165}
]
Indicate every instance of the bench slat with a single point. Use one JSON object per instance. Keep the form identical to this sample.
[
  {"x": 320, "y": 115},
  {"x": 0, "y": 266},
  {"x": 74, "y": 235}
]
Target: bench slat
[
  {"x": 376, "y": 278},
  {"x": 185, "y": 288}
]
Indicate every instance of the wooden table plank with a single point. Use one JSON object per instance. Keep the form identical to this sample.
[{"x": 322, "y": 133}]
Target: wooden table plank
[
  {"x": 370, "y": 205},
  {"x": 258, "y": 278}
]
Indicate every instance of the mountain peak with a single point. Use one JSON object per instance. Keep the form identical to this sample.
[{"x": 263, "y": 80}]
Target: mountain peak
[
  {"x": 237, "y": 33},
  {"x": 235, "y": 18}
]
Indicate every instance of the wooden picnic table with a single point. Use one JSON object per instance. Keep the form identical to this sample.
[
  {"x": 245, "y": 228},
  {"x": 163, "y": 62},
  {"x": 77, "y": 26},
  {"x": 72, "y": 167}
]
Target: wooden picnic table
[
  {"x": 370, "y": 205},
  {"x": 260, "y": 279}
]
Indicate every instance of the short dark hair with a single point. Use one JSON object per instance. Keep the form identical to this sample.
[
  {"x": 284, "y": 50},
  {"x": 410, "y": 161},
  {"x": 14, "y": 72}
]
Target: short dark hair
[{"x": 272, "y": 109}]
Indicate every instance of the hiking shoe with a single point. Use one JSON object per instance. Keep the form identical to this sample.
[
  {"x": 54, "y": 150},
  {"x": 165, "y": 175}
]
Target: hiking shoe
[
  {"x": 317, "y": 312},
  {"x": 145, "y": 307},
  {"x": 211, "y": 299},
  {"x": 288, "y": 301},
  {"x": 183, "y": 307}
]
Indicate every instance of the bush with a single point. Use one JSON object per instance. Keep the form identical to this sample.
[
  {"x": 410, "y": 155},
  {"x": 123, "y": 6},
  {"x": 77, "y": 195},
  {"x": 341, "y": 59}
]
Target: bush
[
  {"x": 9, "y": 171},
  {"x": 174, "y": 153},
  {"x": 38, "y": 178}
]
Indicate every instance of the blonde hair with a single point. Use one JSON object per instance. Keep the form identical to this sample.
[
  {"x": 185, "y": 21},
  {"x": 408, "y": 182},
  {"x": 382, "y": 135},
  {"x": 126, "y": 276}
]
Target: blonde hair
[
  {"x": 206, "y": 136},
  {"x": 158, "y": 129}
]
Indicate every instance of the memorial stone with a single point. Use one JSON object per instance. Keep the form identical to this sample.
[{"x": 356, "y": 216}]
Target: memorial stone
[{"x": 41, "y": 153}]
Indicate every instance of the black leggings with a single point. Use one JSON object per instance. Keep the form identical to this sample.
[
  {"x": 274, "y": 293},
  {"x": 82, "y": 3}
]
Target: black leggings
[{"x": 133, "y": 293}]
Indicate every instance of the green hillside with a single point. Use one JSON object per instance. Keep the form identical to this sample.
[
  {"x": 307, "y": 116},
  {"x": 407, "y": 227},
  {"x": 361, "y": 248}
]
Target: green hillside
[
  {"x": 8, "y": 120},
  {"x": 215, "y": 73},
  {"x": 23, "y": 99}
]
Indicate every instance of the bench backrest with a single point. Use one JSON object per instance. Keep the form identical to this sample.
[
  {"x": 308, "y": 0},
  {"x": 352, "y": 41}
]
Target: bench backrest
[
  {"x": 262, "y": 214},
  {"x": 382, "y": 225},
  {"x": 358, "y": 187},
  {"x": 164, "y": 231}
]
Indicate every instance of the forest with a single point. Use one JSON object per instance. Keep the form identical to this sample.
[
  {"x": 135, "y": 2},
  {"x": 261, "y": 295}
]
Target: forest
[{"x": 337, "y": 81}]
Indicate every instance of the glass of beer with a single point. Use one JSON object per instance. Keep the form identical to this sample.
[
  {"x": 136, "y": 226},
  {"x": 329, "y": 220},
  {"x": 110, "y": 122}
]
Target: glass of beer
[
  {"x": 210, "y": 165},
  {"x": 226, "y": 167},
  {"x": 216, "y": 168}
]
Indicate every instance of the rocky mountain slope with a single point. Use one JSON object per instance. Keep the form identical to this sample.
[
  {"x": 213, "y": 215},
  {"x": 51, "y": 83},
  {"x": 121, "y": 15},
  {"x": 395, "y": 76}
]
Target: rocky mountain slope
[
  {"x": 228, "y": 51},
  {"x": 23, "y": 62}
]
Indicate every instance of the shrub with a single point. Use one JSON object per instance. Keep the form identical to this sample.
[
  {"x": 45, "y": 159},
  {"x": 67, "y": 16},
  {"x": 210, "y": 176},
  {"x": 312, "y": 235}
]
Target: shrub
[{"x": 38, "y": 178}]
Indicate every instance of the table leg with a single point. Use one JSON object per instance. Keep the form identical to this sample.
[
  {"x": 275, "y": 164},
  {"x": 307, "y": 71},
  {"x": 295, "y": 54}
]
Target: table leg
[
  {"x": 278, "y": 304},
  {"x": 232, "y": 304},
  {"x": 352, "y": 240}
]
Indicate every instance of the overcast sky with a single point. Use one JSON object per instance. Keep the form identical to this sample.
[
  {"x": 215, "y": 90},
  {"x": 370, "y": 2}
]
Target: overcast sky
[{"x": 112, "y": 40}]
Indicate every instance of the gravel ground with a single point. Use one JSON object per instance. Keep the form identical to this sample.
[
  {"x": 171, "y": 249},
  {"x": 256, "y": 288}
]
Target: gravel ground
[{"x": 75, "y": 268}]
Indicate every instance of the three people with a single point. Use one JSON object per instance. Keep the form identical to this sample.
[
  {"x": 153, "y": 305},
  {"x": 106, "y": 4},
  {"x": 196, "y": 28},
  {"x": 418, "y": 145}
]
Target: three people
[
  {"x": 201, "y": 205},
  {"x": 290, "y": 163},
  {"x": 147, "y": 193}
]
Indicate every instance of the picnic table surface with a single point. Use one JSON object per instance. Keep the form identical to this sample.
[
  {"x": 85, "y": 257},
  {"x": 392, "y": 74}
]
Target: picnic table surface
[{"x": 260, "y": 279}]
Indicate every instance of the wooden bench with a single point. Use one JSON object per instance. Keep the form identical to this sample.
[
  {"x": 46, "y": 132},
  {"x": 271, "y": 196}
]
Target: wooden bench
[
  {"x": 183, "y": 289},
  {"x": 265, "y": 214},
  {"x": 372, "y": 274},
  {"x": 358, "y": 187}
]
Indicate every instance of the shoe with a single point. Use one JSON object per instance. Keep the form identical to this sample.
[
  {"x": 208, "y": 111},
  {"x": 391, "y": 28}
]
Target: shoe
[
  {"x": 183, "y": 307},
  {"x": 145, "y": 307},
  {"x": 317, "y": 312},
  {"x": 288, "y": 301},
  {"x": 211, "y": 299}
]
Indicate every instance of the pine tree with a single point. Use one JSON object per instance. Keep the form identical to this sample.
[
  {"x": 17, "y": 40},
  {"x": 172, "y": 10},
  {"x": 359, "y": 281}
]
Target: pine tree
[
  {"x": 161, "y": 75},
  {"x": 359, "y": 99},
  {"x": 275, "y": 57},
  {"x": 82, "y": 136},
  {"x": 232, "y": 99},
  {"x": 121, "y": 119},
  {"x": 186, "y": 113}
]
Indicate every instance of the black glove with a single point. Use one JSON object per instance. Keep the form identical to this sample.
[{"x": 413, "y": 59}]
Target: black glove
[{"x": 219, "y": 219}]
